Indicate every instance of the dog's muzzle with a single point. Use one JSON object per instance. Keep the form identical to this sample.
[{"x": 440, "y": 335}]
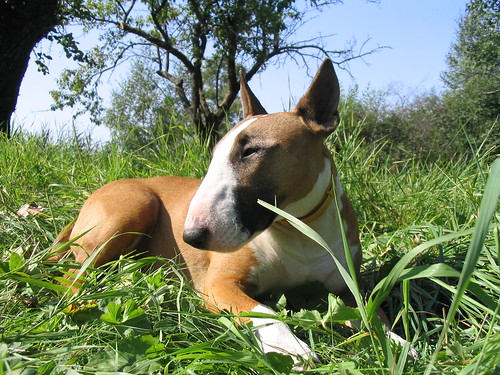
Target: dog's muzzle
[{"x": 197, "y": 237}]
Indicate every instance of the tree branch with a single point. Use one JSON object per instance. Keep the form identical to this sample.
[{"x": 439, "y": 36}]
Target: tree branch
[
  {"x": 178, "y": 87},
  {"x": 162, "y": 30},
  {"x": 156, "y": 41},
  {"x": 127, "y": 12}
]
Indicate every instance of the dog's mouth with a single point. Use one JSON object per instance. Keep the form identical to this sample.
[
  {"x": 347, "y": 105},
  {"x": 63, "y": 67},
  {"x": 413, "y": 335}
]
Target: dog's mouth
[
  {"x": 222, "y": 239},
  {"x": 226, "y": 232},
  {"x": 216, "y": 239}
]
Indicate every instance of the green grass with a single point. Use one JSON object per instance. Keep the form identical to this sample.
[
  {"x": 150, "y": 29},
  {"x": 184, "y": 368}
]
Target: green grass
[{"x": 431, "y": 260}]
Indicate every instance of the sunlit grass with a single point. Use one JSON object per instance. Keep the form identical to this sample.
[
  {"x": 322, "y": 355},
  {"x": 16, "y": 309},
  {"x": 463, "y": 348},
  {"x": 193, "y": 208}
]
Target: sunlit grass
[{"x": 420, "y": 225}]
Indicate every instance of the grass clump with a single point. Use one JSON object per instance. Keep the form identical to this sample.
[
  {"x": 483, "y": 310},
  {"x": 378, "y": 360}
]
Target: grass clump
[{"x": 431, "y": 261}]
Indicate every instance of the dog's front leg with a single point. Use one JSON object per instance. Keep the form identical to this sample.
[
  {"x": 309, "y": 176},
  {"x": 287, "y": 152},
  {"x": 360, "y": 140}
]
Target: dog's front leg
[{"x": 224, "y": 290}]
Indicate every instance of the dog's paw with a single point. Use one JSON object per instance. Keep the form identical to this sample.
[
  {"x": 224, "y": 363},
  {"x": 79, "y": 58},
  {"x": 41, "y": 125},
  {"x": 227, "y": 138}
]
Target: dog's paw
[
  {"x": 275, "y": 336},
  {"x": 412, "y": 352}
]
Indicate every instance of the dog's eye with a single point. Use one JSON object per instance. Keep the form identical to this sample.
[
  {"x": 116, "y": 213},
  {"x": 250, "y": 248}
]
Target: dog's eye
[{"x": 249, "y": 151}]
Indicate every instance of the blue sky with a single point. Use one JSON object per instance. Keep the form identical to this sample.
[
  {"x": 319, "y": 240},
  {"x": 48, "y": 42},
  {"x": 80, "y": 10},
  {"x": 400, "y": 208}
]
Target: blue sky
[{"x": 419, "y": 33}]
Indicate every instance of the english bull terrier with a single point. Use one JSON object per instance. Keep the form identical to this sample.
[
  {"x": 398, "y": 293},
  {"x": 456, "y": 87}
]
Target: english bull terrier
[{"x": 234, "y": 248}]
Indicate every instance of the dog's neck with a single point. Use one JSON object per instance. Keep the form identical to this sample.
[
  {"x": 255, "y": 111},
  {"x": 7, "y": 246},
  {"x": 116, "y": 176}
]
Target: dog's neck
[
  {"x": 289, "y": 258},
  {"x": 320, "y": 208}
]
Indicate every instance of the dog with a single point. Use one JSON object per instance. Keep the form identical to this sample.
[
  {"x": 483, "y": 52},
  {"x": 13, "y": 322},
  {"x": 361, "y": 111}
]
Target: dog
[{"x": 233, "y": 247}]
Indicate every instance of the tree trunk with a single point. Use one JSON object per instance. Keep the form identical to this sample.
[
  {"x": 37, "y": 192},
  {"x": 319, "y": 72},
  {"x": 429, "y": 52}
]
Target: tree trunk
[{"x": 22, "y": 25}]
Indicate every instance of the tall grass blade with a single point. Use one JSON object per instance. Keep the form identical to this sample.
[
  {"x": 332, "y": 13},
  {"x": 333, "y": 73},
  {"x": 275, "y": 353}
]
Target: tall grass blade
[
  {"x": 384, "y": 286},
  {"x": 349, "y": 279},
  {"x": 313, "y": 235},
  {"x": 486, "y": 210}
]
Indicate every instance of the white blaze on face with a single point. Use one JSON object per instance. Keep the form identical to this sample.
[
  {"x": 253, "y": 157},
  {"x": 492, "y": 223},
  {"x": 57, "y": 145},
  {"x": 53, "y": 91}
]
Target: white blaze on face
[{"x": 214, "y": 204}]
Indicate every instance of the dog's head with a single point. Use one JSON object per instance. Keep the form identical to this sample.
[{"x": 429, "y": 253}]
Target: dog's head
[{"x": 278, "y": 158}]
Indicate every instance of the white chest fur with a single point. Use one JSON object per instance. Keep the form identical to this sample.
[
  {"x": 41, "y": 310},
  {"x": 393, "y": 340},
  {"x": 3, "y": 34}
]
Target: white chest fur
[{"x": 287, "y": 258}]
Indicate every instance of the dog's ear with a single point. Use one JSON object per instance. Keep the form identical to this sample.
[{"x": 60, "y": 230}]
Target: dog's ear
[
  {"x": 318, "y": 106},
  {"x": 249, "y": 102}
]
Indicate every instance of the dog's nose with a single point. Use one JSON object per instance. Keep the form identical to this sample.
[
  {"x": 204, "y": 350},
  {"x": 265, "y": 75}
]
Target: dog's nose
[{"x": 196, "y": 237}]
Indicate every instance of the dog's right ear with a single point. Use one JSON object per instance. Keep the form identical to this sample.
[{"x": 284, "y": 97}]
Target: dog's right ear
[
  {"x": 318, "y": 106},
  {"x": 249, "y": 102}
]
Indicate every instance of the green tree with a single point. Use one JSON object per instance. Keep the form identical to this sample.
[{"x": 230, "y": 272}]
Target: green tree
[
  {"x": 403, "y": 123},
  {"x": 189, "y": 38},
  {"x": 473, "y": 75},
  {"x": 137, "y": 105},
  {"x": 144, "y": 108}
]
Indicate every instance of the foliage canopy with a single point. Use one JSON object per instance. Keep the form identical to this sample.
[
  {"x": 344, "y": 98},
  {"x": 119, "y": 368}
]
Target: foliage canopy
[
  {"x": 187, "y": 41},
  {"x": 473, "y": 74}
]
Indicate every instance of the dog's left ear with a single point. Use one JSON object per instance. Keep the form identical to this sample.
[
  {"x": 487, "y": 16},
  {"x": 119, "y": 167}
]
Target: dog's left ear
[
  {"x": 249, "y": 102},
  {"x": 318, "y": 106}
]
